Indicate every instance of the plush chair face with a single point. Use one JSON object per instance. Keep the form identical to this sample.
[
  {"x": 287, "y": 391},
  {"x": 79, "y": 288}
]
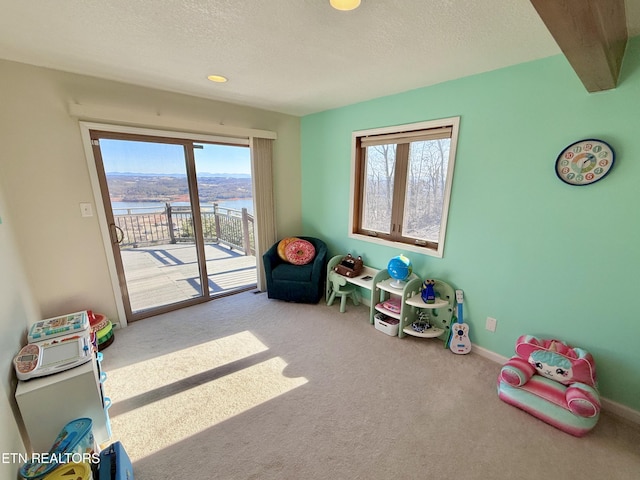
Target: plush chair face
[{"x": 556, "y": 360}]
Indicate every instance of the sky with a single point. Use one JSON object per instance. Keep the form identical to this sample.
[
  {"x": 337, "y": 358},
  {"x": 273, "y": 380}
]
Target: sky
[{"x": 148, "y": 157}]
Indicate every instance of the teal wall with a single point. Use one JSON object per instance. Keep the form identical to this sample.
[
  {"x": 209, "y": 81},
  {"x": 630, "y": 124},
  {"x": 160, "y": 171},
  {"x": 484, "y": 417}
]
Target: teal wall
[{"x": 542, "y": 257}]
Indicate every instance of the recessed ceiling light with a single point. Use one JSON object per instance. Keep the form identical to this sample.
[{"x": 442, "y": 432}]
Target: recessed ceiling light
[
  {"x": 217, "y": 78},
  {"x": 345, "y": 5}
]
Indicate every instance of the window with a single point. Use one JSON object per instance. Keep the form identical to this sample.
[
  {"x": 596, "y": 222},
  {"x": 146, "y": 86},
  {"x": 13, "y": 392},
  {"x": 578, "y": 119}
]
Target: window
[{"x": 401, "y": 183}]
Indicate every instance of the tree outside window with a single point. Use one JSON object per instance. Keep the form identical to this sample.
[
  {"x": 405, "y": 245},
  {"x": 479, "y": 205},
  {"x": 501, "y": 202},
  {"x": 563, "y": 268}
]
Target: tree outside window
[{"x": 402, "y": 184}]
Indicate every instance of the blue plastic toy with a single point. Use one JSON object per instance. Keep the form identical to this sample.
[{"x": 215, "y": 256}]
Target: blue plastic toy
[{"x": 428, "y": 294}]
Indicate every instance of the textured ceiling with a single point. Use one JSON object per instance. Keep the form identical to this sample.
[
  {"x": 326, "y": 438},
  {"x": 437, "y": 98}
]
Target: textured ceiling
[{"x": 290, "y": 56}]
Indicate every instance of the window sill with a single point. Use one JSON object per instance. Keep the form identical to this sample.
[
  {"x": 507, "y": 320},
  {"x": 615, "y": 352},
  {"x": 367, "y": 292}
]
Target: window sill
[{"x": 398, "y": 245}]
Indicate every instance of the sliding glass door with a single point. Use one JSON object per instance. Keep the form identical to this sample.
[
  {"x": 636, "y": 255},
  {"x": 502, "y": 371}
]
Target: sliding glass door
[
  {"x": 179, "y": 217},
  {"x": 225, "y": 195}
]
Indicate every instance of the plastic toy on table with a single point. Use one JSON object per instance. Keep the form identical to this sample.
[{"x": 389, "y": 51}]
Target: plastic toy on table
[{"x": 73, "y": 323}]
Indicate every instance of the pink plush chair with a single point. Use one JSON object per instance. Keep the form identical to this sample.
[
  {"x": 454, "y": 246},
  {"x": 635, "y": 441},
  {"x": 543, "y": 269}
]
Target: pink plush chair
[{"x": 553, "y": 382}]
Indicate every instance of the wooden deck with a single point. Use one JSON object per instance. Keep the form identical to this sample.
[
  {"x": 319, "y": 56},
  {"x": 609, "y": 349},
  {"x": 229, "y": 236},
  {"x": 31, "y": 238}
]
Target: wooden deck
[{"x": 163, "y": 274}]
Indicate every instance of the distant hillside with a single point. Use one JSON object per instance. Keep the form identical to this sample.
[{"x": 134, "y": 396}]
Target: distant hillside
[
  {"x": 135, "y": 187},
  {"x": 178, "y": 175}
]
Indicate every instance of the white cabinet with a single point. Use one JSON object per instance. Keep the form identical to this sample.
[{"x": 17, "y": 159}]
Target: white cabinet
[{"x": 48, "y": 403}]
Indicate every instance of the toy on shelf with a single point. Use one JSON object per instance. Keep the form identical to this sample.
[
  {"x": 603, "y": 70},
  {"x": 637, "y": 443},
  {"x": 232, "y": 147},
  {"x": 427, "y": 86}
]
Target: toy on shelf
[
  {"x": 428, "y": 293},
  {"x": 393, "y": 305},
  {"x": 554, "y": 382},
  {"x": 55, "y": 344},
  {"x": 400, "y": 269},
  {"x": 422, "y": 324}
]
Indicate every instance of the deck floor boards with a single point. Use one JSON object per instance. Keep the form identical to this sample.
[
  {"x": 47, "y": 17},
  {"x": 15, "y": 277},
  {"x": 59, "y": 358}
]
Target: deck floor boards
[{"x": 163, "y": 274}]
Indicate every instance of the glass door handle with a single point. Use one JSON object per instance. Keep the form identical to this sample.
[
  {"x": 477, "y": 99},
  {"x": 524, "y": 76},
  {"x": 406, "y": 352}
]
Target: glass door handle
[{"x": 117, "y": 235}]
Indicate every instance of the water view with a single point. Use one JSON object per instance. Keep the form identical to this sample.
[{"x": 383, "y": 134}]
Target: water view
[{"x": 123, "y": 208}]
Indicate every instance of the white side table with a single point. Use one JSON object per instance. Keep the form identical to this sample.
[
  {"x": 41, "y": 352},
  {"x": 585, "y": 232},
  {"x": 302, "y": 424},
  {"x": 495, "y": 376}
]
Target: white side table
[{"x": 48, "y": 403}]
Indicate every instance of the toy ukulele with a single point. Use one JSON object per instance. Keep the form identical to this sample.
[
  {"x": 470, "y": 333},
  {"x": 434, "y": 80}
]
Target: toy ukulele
[{"x": 459, "y": 342}]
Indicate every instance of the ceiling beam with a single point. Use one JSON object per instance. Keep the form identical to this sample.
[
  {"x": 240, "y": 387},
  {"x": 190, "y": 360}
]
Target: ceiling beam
[{"x": 592, "y": 34}]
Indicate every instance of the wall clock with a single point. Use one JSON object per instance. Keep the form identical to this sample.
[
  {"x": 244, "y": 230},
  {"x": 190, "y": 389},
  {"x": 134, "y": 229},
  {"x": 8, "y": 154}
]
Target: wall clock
[{"x": 585, "y": 162}]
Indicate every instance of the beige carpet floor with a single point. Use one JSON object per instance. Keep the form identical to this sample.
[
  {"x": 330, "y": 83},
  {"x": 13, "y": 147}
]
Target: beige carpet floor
[{"x": 250, "y": 388}]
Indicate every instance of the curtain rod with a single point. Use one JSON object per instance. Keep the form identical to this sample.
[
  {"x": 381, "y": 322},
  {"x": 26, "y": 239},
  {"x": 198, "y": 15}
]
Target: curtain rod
[{"x": 122, "y": 116}]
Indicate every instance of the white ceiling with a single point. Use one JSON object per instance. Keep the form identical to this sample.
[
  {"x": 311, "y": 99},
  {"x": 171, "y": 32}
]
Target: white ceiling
[{"x": 290, "y": 56}]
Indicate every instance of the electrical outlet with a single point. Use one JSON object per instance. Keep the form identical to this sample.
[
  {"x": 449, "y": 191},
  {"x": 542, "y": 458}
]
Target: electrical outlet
[
  {"x": 85, "y": 210},
  {"x": 491, "y": 324}
]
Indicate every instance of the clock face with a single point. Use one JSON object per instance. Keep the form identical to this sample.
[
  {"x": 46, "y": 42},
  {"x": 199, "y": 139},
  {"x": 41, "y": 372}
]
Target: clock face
[{"x": 584, "y": 162}]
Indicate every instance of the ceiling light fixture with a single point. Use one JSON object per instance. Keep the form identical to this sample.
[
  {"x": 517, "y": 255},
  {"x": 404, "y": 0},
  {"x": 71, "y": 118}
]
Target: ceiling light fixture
[
  {"x": 345, "y": 5},
  {"x": 217, "y": 78}
]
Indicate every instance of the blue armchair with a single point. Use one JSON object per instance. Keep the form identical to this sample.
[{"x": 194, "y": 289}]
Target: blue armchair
[{"x": 296, "y": 283}]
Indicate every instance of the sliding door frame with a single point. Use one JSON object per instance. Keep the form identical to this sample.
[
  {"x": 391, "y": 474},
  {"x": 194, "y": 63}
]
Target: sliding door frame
[
  {"x": 243, "y": 138},
  {"x": 192, "y": 183}
]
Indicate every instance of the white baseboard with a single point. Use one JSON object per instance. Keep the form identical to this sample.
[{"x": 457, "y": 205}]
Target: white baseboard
[
  {"x": 483, "y": 352},
  {"x": 610, "y": 406},
  {"x": 620, "y": 410}
]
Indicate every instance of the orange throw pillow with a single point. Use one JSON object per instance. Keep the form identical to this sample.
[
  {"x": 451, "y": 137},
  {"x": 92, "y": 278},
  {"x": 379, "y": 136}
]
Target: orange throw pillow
[{"x": 283, "y": 245}]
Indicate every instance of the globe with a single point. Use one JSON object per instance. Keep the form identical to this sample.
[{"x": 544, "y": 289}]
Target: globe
[{"x": 400, "y": 269}]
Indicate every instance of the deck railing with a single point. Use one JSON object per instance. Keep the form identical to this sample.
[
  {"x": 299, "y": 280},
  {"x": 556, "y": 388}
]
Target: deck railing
[{"x": 174, "y": 224}]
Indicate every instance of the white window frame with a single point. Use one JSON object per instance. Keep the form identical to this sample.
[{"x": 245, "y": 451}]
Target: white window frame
[{"x": 454, "y": 123}]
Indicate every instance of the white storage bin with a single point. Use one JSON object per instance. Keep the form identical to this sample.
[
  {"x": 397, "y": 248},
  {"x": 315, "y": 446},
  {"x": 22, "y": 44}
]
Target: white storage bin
[{"x": 388, "y": 325}]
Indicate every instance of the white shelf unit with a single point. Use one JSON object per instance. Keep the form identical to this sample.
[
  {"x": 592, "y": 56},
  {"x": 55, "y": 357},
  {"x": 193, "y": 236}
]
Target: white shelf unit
[
  {"x": 383, "y": 290},
  {"x": 440, "y": 312}
]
